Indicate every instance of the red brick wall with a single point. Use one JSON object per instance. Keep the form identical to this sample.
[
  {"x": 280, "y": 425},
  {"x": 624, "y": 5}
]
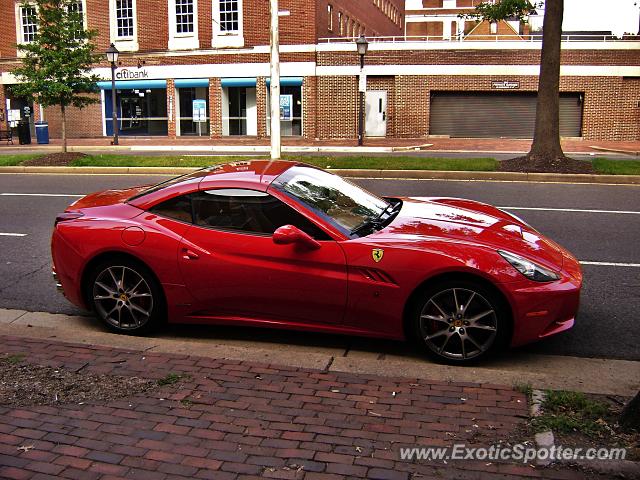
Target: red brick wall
[
  {"x": 3, "y": 108},
  {"x": 8, "y": 29},
  {"x": 365, "y": 13},
  {"x": 153, "y": 24},
  {"x": 310, "y": 106},
  {"x": 98, "y": 19},
  {"x": 205, "y": 24},
  {"x": 261, "y": 106},
  {"x": 171, "y": 109},
  {"x": 337, "y": 107},
  {"x": 81, "y": 123},
  {"x": 215, "y": 108}
]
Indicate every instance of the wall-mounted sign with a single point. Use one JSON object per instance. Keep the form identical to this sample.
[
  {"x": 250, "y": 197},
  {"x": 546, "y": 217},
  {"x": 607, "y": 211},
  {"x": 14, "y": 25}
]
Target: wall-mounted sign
[
  {"x": 362, "y": 83},
  {"x": 131, "y": 74},
  {"x": 286, "y": 108},
  {"x": 505, "y": 85}
]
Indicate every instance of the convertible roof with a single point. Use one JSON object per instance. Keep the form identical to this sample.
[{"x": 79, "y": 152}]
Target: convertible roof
[{"x": 252, "y": 174}]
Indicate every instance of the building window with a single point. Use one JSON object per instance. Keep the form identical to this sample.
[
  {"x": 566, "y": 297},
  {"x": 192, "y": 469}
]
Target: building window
[
  {"x": 330, "y": 17},
  {"x": 229, "y": 16},
  {"x": 78, "y": 8},
  {"x": 183, "y": 25},
  {"x": 340, "y": 23},
  {"x": 29, "y": 24},
  {"x": 124, "y": 18},
  {"x": 184, "y": 16},
  {"x": 227, "y": 23}
]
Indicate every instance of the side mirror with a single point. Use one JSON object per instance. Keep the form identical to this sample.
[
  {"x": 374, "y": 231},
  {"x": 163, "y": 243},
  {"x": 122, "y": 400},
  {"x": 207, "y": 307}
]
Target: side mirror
[{"x": 289, "y": 235}]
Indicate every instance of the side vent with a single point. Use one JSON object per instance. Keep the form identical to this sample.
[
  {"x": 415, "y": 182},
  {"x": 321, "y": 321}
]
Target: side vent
[{"x": 374, "y": 275}]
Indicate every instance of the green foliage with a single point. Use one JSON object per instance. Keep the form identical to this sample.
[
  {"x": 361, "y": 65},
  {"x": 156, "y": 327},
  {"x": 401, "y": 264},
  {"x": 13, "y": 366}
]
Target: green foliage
[
  {"x": 503, "y": 10},
  {"x": 15, "y": 359},
  {"x": 171, "y": 379},
  {"x": 567, "y": 412},
  {"x": 56, "y": 65}
]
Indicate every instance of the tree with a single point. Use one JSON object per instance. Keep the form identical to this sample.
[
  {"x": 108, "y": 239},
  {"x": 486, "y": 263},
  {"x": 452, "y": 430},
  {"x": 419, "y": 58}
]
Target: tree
[
  {"x": 546, "y": 150},
  {"x": 630, "y": 418},
  {"x": 56, "y": 66}
]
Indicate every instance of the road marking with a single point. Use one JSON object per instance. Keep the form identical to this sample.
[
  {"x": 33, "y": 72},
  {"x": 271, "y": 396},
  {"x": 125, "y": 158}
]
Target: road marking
[
  {"x": 618, "y": 212},
  {"x": 40, "y": 195},
  {"x": 13, "y": 234},
  {"x": 610, "y": 264}
]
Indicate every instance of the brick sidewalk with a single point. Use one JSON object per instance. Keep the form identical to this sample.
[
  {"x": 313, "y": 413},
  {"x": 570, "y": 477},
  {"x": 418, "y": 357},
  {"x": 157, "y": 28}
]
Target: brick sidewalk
[{"x": 239, "y": 420}]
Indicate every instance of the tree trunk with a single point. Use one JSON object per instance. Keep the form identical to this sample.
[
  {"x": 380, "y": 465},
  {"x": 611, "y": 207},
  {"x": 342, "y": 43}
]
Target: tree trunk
[
  {"x": 630, "y": 418},
  {"x": 546, "y": 139},
  {"x": 64, "y": 128}
]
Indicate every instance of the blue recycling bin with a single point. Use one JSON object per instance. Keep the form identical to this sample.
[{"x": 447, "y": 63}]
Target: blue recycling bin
[{"x": 42, "y": 132}]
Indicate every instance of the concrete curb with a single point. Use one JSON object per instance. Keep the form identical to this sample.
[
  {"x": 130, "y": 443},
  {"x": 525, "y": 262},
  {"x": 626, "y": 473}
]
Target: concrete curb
[
  {"x": 617, "y": 150},
  {"x": 360, "y": 173}
]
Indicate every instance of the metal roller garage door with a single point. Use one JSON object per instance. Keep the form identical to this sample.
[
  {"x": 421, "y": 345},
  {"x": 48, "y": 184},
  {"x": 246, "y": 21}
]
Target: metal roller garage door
[{"x": 495, "y": 115}]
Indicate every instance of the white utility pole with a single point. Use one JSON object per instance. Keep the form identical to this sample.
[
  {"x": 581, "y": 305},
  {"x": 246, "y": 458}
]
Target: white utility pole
[{"x": 276, "y": 142}]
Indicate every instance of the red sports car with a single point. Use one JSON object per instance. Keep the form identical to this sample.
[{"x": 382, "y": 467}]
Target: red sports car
[{"x": 287, "y": 245}]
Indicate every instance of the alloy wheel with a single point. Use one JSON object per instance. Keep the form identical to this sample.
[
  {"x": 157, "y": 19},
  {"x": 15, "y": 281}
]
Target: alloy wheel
[
  {"x": 458, "y": 324},
  {"x": 122, "y": 297}
]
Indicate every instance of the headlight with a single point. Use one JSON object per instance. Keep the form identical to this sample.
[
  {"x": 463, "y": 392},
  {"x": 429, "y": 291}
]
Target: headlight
[{"x": 531, "y": 270}]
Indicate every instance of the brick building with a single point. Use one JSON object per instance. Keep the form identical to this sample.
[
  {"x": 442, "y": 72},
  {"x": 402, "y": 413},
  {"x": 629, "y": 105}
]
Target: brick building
[{"x": 216, "y": 51}]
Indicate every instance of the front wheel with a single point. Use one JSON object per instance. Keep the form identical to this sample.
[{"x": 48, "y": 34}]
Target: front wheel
[
  {"x": 459, "y": 322},
  {"x": 126, "y": 297}
]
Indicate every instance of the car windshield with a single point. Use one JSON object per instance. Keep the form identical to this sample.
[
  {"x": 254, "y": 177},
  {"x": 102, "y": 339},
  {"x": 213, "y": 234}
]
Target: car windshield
[
  {"x": 341, "y": 203},
  {"x": 203, "y": 172}
]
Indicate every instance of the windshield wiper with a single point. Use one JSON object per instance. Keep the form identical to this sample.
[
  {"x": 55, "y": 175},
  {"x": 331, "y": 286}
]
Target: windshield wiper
[{"x": 377, "y": 223}]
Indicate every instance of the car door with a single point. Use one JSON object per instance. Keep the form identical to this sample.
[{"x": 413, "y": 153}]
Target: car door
[{"x": 233, "y": 268}]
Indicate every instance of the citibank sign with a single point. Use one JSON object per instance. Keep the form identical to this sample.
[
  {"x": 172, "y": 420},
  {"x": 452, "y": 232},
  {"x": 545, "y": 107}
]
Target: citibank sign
[{"x": 128, "y": 74}]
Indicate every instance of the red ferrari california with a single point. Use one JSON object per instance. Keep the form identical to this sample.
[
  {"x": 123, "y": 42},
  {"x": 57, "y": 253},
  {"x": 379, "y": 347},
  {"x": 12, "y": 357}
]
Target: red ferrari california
[{"x": 287, "y": 245}]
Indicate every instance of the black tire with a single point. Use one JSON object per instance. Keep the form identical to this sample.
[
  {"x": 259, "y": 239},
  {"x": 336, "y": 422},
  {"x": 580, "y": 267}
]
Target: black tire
[
  {"x": 459, "y": 322},
  {"x": 126, "y": 297}
]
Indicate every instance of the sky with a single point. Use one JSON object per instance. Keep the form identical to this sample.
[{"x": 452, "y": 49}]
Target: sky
[{"x": 618, "y": 16}]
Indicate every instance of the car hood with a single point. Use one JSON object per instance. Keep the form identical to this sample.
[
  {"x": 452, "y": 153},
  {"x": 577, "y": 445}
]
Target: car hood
[
  {"x": 466, "y": 221},
  {"x": 106, "y": 197}
]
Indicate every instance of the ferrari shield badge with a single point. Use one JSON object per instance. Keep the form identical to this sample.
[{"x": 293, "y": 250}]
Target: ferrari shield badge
[{"x": 377, "y": 254}]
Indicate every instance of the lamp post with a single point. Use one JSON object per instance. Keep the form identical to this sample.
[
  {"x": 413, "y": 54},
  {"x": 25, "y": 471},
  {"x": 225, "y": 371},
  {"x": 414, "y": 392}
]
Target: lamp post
[
  {"x": 362, "y": 46},
  {"x": 112, "y": 56}
]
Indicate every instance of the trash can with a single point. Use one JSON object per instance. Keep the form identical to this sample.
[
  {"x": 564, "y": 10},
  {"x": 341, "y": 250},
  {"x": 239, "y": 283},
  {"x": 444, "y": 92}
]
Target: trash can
[
  {"x": 24, "y": 132},
  {"x": 42, "y": 132}
]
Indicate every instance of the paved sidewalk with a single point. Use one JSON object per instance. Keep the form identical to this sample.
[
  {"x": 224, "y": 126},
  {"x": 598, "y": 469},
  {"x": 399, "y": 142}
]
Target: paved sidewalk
[
  {"x": 241, "y": 420},
  {"x": 497, "y": 145}
]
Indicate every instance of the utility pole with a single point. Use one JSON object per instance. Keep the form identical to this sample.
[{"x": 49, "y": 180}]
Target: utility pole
[{"x": 276, "y": 142}]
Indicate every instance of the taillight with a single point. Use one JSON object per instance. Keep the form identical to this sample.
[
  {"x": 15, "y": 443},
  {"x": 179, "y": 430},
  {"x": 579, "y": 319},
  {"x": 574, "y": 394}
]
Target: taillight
[{"x": 66, "y": 216}]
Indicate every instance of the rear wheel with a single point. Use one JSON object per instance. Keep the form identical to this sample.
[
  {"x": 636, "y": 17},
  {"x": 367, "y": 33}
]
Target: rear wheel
[
  {"x": 126, "y": 297},
  {"x": 459, "y": 321}
]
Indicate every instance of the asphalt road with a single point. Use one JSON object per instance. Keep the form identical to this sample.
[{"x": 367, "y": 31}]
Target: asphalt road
[{"x": 607, "y": 326}]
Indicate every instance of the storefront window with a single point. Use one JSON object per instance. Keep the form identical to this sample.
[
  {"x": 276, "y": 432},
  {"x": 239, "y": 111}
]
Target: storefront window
[
  {"x": 239, "y": 113},
  {"x": 189, "y": 124},
  {"x": 292, "y": 125},
  {"x": 140, "y": 111}
]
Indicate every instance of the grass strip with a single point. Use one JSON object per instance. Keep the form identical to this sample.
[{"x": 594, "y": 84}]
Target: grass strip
[
  {"x": 343, "y": 162},
  {"x": 616, "y": 167},
  {"x": 13, "y": 160}
]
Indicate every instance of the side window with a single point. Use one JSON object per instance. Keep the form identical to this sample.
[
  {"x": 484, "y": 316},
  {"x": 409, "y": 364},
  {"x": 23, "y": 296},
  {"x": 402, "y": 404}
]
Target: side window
[
  {"x": 248, "y": 211},
  {"x": 178, "y": 208}
]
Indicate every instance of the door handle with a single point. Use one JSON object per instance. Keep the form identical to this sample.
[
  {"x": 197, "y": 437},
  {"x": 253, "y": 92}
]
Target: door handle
[
  {"x": 188, "y": 254},
  {"x": 384, "y": 116}
]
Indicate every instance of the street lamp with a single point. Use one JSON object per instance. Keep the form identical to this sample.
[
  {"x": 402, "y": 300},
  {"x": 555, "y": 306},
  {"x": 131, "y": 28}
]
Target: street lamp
[
  {"x": 362, "y": 46},
  {"x": 112, "y": 56}
]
